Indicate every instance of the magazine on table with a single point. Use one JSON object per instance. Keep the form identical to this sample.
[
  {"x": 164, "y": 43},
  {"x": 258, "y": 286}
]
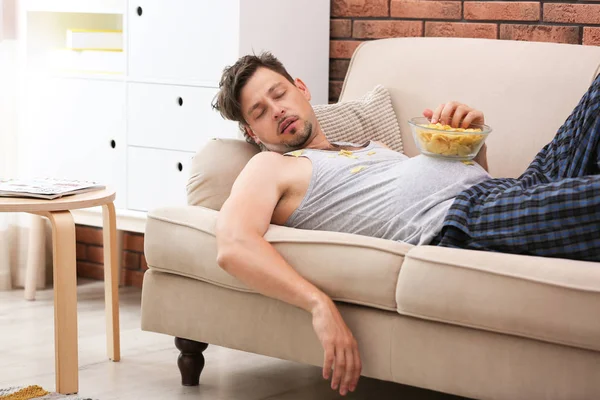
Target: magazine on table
[{"x": 45, "y": 188}]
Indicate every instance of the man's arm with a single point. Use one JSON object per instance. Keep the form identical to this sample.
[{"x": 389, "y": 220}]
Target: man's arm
[
  {"x": 242, "y": 249},
  {"x": 244, "y": 253}
]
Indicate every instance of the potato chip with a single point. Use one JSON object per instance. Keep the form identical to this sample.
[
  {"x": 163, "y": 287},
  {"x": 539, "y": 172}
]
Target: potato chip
[
  {"x": 297, "y": 153},
  {"x": 347, "y": 153},
  {"x": 357, "y": 169},
  {"x": 449, "y": 144},
  {"x": 371, "y": 153}
]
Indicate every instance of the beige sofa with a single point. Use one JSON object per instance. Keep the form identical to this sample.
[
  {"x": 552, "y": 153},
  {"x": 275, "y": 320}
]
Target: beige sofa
[{"x": 476, "y": 324}]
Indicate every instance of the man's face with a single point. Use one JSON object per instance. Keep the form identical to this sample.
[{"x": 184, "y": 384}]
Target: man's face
[{"x": 278, "y": 113}]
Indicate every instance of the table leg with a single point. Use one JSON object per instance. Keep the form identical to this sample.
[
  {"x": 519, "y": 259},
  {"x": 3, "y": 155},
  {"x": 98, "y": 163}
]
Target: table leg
[
  {"x": 65, "y": 301},
  {"x": 36, "y": 255},
  {"x": 111, "y": 281}
]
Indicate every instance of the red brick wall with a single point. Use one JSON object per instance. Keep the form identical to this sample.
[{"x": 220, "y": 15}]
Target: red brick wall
[
  {"x": 90, "y": 256},
  {"x": 354, "y": 21}
]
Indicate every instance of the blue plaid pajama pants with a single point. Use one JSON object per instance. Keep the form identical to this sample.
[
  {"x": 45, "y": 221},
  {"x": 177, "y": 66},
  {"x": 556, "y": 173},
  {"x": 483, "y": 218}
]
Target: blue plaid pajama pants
[{"x": 552, "y": 210}]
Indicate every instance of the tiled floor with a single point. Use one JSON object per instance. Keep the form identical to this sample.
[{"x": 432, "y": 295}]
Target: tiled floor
[{"x": 148, "y": 368}]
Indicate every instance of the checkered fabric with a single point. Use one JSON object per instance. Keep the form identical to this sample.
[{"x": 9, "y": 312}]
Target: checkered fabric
[{"x": 552, "y": 210}]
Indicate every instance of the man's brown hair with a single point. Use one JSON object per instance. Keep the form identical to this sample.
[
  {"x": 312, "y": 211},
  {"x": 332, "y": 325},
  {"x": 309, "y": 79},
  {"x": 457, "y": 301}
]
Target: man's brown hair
[{"x": 233, "y": 80}]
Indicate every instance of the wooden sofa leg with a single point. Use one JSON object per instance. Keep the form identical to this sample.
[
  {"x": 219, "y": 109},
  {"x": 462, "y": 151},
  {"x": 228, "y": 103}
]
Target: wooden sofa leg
[{"x": 190, "y": 361}]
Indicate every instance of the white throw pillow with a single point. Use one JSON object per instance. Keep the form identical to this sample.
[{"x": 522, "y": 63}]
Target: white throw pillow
[{"x": 370, "y": 117}]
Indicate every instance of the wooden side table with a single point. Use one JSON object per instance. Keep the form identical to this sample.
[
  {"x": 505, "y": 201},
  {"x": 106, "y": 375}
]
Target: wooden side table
[{"x": 65, "y": 276}]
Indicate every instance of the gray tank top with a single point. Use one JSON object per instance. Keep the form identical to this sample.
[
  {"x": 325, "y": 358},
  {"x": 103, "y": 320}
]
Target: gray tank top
[{"x": 374, "y": 191}]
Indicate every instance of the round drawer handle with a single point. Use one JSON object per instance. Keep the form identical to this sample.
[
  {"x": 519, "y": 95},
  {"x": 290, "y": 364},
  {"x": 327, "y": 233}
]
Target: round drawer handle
[
  {"x": 180, "y": 101},
  {"x": 113, "y": 144},
  {"x": 180, "y": 166},
  {"x": 139, "y": 11}
]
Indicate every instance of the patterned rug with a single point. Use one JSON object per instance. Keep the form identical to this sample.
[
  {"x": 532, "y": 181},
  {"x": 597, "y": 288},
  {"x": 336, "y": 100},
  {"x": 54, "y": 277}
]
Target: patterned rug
[{"x": 34, "y": 392}]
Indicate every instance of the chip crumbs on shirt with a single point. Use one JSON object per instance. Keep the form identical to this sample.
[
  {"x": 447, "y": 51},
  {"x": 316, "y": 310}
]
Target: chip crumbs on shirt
[
  {"x": 356, "y": 170},
  {"x": 347, "y": 153},
  {"x": 297, "y": 153},
  {"x": 371, "y": 153}
]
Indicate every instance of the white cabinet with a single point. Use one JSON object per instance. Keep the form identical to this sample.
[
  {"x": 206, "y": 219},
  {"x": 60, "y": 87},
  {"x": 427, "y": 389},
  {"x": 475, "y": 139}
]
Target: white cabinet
[
  {"x": 174, "y": 117},
  {"x": 177, "y": 53},
  {"x": 191, "y": 41},
  {"x": 182, "y": 40},
  {"x": 138, "y": 131},
  {"x": 75, "y": 129},
  {"x": 157, "y": 178}
]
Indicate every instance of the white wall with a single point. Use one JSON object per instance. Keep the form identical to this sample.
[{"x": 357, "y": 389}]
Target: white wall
[
  {"x": 8, "y": 87},
  {"x": 8, "y": 109},
  {"x": 10, "y": 252}
]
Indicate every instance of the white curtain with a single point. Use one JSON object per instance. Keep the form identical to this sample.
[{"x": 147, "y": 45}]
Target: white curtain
[
  {"x": 14, "y": 228},
  {"x": 8, "y": 162}
]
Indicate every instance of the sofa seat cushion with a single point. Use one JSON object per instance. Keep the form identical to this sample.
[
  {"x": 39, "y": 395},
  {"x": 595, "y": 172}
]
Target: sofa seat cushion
[
  {"x": 550, "y": 299},
  {"x": 349, "y": 268}
]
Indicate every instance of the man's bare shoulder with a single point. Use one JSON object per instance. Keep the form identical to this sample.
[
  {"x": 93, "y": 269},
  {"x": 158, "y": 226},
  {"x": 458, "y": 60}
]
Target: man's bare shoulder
[
  {"x": 268, "y": 175},
  {"x": 265, "y": 161},
  {"x": 269, "y": 168},
  {"x": 270, "y": 165},
  {"x": 268, "y": 157}
]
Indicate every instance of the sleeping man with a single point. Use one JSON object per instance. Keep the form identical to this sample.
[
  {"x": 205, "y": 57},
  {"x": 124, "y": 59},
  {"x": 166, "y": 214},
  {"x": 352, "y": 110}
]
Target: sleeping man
[{"x": 302, "y": 180}]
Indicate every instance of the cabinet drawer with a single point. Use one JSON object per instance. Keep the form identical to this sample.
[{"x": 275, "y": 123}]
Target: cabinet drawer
[
  {"x": 74, "y": 129},
  {"x": 182, "y": 40},
  {"x": 174, "y": 117},
  {"x": 156, "y": 178}
]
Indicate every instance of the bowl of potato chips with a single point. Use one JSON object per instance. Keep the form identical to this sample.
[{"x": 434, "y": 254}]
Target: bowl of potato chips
[{"x": 439, "y": 140}]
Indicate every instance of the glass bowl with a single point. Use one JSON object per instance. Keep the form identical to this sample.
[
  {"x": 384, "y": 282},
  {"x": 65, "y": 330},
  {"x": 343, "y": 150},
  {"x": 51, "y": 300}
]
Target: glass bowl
[{"x": 457, "y": 144}]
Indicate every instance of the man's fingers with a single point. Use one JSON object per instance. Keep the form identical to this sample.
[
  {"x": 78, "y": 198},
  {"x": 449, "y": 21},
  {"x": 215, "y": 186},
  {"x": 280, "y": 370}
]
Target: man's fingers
[
  {"x": 455, "y": 114},
  {"x": 436, "y": 114},
  {"x": 458, "y": 116},
  {"x": 428, "y": 113},
  {"x": 328, "y": 363},
  {"x": 349, "y": 373},
  {"x": 474, "y": 115},
  {"x": 338, "y": 368},
  {"x": 447, "y": 112}
]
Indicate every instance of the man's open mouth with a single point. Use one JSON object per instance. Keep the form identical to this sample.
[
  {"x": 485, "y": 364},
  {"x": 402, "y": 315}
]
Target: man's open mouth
[{"x": 286, "y": 123}]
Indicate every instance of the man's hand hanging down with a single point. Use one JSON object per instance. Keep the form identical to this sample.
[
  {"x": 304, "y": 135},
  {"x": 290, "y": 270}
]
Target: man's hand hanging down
[
  {"x": 244, "y": 253},
  {"x": 341, "y": 349}
]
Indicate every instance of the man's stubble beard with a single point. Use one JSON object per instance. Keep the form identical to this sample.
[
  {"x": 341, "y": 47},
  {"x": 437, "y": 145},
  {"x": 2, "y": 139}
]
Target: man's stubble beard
[
  {"x": 301, "y": 138},
  {"x": 298, "y": 142}
]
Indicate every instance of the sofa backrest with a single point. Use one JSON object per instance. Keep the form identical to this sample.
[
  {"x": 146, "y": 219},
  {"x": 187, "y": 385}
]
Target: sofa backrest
[
  {"x": 214, "y": 169},
  {"x": 525, "y": 89}
]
